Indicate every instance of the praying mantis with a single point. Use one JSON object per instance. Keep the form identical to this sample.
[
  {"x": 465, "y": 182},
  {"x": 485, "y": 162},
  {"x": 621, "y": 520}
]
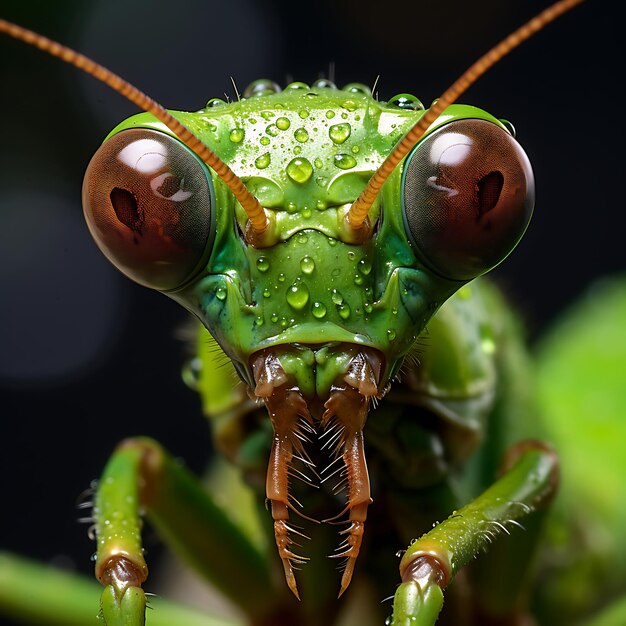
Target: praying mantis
[{"x": 124, "y": 431}]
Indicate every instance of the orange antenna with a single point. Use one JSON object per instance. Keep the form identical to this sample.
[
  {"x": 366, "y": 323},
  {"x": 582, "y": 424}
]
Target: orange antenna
[
  {"x": 359, "y": 210},
  {"x": 256, "y": 213}
]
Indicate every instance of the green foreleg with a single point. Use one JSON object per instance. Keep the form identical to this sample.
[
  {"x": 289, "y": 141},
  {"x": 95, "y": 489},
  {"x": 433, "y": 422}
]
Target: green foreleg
[
  {"x": 432, "y": 562},
  {"x": 32, "y": 593},
  {"x": 141, "y": 474}
]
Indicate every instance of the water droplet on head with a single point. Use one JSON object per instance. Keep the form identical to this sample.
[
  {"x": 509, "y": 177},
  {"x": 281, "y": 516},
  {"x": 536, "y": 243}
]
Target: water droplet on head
[
  {"x": 307, "y": 265},
  {"x": 297, "y": 86},
  {"x": 281, "y": 277},
  {"x": 274, "y": 317},
  {"x": 357, "y": 88},
  {"x": 344, "y": 161},
  {"x": 336, "y": 297},
  {"x": 215, "y": 103},
  {"x": 365, "y": 267},
  {"x": 299, "y": 170},
  {"x": 324, "y": 83},
  {"x": 368, "y": 307},
  {"x": 262, "y": 264},
  {"x": 259, "y": 320},
  {"x": 349, "y": 105},
  {"x": 319, "y": 310},
  {"x": 263, "y": 161},
  {"x": 301, "y": 135},
  {"x": 358, "y": 279},
  {"x": 297, "y": 296},
  {"x": 339, "y": 132},
  {"x": 236, "y": 135},
  {"x": 344, "y": 311},
  {"x": 261, "y": 87},
  {"x": 267, "y": 293},
  {"x": 283, "y": 123},
  {"x": 221, "y": 293},
  {"x": 391, "y": 334},
  {"x": 407, "y": 101}
]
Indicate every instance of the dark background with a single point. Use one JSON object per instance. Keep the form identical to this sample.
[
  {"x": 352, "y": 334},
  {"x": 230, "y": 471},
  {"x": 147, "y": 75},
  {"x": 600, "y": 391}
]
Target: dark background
[{"x": 87, "y": 358}]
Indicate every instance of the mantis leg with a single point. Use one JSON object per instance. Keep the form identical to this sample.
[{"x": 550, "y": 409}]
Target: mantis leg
[
  {"x": 431, "y": 562},
  {"x": 34, "y": 593},
  {"x": 141, "y": 475}
]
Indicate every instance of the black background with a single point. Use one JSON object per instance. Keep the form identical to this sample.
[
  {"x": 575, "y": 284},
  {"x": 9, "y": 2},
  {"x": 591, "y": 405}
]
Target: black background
[{"x": 87, "y": 358}]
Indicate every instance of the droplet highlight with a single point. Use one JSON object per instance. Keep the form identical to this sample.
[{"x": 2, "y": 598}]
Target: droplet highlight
[
  {"x": 339, "y": 132},
  {"x": 344, "y": 161},
  {"x": 297, "y": 296},
  {"x": 299, "y": 170}
]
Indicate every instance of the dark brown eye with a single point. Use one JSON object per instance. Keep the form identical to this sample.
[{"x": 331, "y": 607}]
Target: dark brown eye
[
  {"x": 468, "y": 194},
  {"x": 147, "y": 202}
]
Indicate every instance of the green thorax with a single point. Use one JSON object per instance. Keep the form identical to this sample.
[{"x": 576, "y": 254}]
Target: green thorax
[{"x": 306, "y": 154}]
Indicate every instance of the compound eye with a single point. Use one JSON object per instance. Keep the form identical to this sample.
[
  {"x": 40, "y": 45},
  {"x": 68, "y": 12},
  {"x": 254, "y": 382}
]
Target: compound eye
[
  {"x": 147, "y": 202},
  {"x": 468, "y": 194}
]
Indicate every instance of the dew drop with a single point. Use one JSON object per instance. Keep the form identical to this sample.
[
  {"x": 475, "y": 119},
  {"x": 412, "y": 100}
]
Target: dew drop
[
  {"x": 344, "y": 311},
  {"x": 299, "y": 170},
  {"x": 330, "y": 114},
  {"x": 267, "y": 293},
  {"x": 259, "y": 320},
  {"x": 357, "y": 88},
  {"x": 263, "y": 161},
  {"x": 283, "y": 123},
  {"x": 297, "y": 296},
  {"x": 281, "y": 277},
  {"x": 339, "y": 132},
  {"x": 367, "y": 306},
  {"x": 355, "y": 149},
  {"x": 274, "y": 318},
  {"x": 303, "y": 113},
  {"x": 336, "y": 297},
  {"x": 262, "y": 264},
  {"x": 407, "y": 101},
  {"x": 265, "y": 141},
  {"x": 349, "y": 105},
  {"x": 272, "y": 130},
  {"x": 301, "y": 135},
  {"x": 318, "y": 163},
  {"x": 297, "y": 86},
  {"x": 215, "y": 103},
  {"x": 365, "y": 267},
  {"x": 297, "y": 149},
  {"x": 391, "y": 334},
  {"x": 358, "y": 279},
  {"x": 220, "y": 293},
  {"x": 344, "y": 161},
  {"x": 307, "y": 265},
  {"x": 319, "y": 310},
  {"x": 236, "y": 135},
  {"x": 324, "y": 83},
  {"x": 261, "y": 87},
  {"x": 306, "y": 213}
]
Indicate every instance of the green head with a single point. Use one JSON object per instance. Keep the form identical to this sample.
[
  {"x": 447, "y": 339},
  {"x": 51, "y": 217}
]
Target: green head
[{"x": 309, "y": 288}]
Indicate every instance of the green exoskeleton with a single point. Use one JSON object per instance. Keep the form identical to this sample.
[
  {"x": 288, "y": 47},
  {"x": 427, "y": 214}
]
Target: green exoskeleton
[{"x": 334, "y": 278}]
